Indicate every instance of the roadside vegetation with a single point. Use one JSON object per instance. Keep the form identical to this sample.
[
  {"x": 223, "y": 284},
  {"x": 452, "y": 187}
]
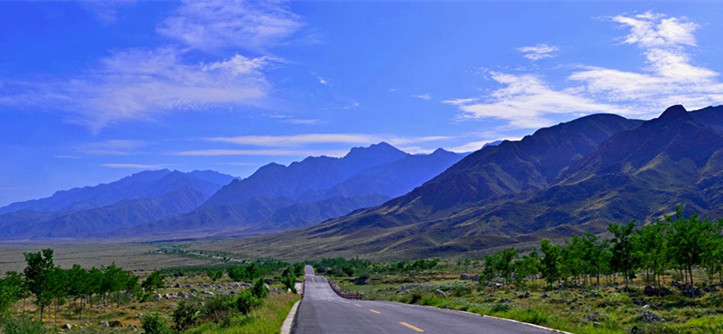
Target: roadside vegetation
[
  {"x": 663, "y": 277},
  {"x": 252, "y": 297}
]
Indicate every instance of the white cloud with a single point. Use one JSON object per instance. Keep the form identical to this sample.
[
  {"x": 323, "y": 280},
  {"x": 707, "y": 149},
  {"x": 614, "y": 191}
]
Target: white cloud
[
  {"x": 322, "y": 81},
  {"x": 457, "y": 102},
  {"x": 539, "y": 51},
  {"x": 526, "y": 99},
  {"x": 141, "y": 84},
  {"x": 323, "y": 138},
  {"x": 112, "y": 147},
  {"x": 301, "y": 121},
  {"x": 272, "y": 152},
  {"x": 426, "y": 97},
  {"x": 670, "y": 77},
  {"x": 131, "y": 166},
  {"x": 221, "y": 24}
]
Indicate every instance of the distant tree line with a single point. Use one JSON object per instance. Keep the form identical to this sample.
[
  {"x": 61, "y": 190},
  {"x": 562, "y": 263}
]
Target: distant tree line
[
  {"x": 341, "y": 267},
  {"x": 675, "y": 243}
]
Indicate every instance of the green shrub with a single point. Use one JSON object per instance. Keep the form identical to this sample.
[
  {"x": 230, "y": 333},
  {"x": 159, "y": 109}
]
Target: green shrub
[
  {"x": 23, "y": 325},
  {"x": 501, "y": 307},
  {"x": 217, "y": 308},
  {"x": 186, "y": 314},
  {"x": 259, "y": 290},
  {"x": 246, "y": 301},
  {"x": 153, "y": 324}
]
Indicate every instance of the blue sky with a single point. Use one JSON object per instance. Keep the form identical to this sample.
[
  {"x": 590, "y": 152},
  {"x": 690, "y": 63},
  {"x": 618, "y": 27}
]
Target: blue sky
[{"x": 94, "y": 91}]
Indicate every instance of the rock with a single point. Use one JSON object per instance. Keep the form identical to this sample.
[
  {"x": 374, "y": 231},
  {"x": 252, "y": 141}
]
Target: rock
[
  {"x": 646, "y": 306},
  {"x": 178, "y": 285},
  {"x": 664, "y": 291},
  {"x": 180, "y": 294},
  {"x": 139, "y": 315},
  {"x": 574, "y": 299},
  {"x": 105, "y": 323},
  {"x": 693, "y": 293},
  {"x": 114, "y": 323},
  {"x": 464, "y": 277},
  {"x": 157, "y": 297},
  {"x": 650, "y": 317},
  {"x": 544, "y": 295},
  {"x": 440, "y": 293},
  {"x": 650, "y": 291},
  {"x": 67, "y": 326},
  {"x": 524, "y": 295},
  {"x": 504, "y": 300}
]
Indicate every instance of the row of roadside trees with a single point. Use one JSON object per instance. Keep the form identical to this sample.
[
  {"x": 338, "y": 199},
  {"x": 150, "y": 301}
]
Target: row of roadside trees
[
  {"x": 675, "y": 243},
  {"x": 50, "y": 284}
]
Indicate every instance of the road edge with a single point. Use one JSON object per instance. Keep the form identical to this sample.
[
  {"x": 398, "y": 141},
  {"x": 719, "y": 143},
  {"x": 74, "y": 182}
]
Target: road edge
[
  {"x": 289, "y": 322},
  {"x": 490, "y": 316}
]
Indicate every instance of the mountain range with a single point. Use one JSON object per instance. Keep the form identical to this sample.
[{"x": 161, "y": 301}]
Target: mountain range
[
  {"x": 171, "y": 204},
  {"x": 570, "y": 178}
]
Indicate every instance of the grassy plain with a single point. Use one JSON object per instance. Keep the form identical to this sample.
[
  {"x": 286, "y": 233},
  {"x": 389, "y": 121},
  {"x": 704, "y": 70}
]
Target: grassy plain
[{"x": 130, "y": 256}]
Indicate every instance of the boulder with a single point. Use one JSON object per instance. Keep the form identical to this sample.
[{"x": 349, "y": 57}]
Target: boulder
[
  {"x": 650, "y": 291},
  {"x": 67, "y": 326},
  {"x": 650, "y": 317},
  {"x": 440, "y": 293}
]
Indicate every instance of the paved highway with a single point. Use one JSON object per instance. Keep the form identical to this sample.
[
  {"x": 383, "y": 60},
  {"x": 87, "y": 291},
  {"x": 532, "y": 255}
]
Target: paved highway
[{"x": 322, "y": 311}]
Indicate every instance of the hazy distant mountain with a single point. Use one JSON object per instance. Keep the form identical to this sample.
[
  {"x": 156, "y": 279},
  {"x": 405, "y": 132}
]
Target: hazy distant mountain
[
  {"x": 137, "y": 199},
  {"x": 299, "y": 179},
  {"x": 277, "y": 198},
  {"x": 573, "y": 177}
]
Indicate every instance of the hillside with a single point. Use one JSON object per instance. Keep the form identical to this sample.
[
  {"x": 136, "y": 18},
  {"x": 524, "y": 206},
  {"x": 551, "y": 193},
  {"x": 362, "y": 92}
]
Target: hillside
[
  {"x": 319, "y": 188},
  {"x": 573, "y": 177}
]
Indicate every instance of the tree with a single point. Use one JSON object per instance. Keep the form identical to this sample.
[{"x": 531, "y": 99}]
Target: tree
[
  {"x": 691, "y": 241},
  {"x": 550, "y": 261},
  {"x": 214, "y": 275},
  {"x": 37, "y": 275},
  {"x": 623, "y": 260},
  {"x": 10, "y": 291},
  {"x": 503, "y": 265},
  {"x": 154, "y": 281},
  {"x": 528, "y": 265},
  {"x": 651, "y": 247}
]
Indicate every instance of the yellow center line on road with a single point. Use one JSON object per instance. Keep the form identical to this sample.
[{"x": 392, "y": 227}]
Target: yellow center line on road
[
  {"x": 374, "y": 311},
  {"x": 416, "y": 329},
  {"x": 357, "y": 305}
]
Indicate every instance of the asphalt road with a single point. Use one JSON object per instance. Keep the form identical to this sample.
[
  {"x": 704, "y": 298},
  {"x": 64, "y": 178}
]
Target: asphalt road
[{"x": 322, "y": 311}]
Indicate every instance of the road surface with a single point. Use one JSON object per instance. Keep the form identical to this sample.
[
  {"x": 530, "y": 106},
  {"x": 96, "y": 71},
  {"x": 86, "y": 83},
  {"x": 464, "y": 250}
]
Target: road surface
[{"x": 322, "y": 311}]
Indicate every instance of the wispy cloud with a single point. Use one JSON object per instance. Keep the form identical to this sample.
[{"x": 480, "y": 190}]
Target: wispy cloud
[
  {"x": 131, "y": 166},
  {"x": 539, "y": 51},
  {"x": 144, "y": 83},
  {"x": 301, "y": 121},
  {"x": 218, "y": 24},
  {"x": 323, "y": 138},
  {"x": 270, "y": 152},
  {"x": 112, "y": 147},
  {"x": 425, "y": 97},
  {"x": 527, "y": 101}
]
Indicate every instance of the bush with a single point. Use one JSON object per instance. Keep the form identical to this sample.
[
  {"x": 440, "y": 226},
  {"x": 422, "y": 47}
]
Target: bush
[
  {"x": 23, "y": 325},
  {"x": 186, "y": 314},
  {"x": 259, "y": 290},
  {"x": 246, "y": 301},
  {"x": 153, "y": 324},
  {"x": 218, "y": 308}
]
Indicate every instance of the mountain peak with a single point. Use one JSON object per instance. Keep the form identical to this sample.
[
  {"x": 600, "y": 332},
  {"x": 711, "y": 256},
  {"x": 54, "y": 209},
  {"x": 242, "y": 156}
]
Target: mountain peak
[
  {"x": 379, "y": 150},
  {"x": 674, "y": 112}
]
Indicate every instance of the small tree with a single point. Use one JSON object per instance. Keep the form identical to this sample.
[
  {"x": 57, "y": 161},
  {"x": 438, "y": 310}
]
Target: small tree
[
  {"x": 550, "y": 261},
  {"x": 37, "y": 274},
  {"x": 623, "y": 260},
  {"x": 153, "y": 282}
]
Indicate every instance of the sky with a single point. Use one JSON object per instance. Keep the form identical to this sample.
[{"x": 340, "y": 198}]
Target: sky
[{"x": 93, "y": 91}]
